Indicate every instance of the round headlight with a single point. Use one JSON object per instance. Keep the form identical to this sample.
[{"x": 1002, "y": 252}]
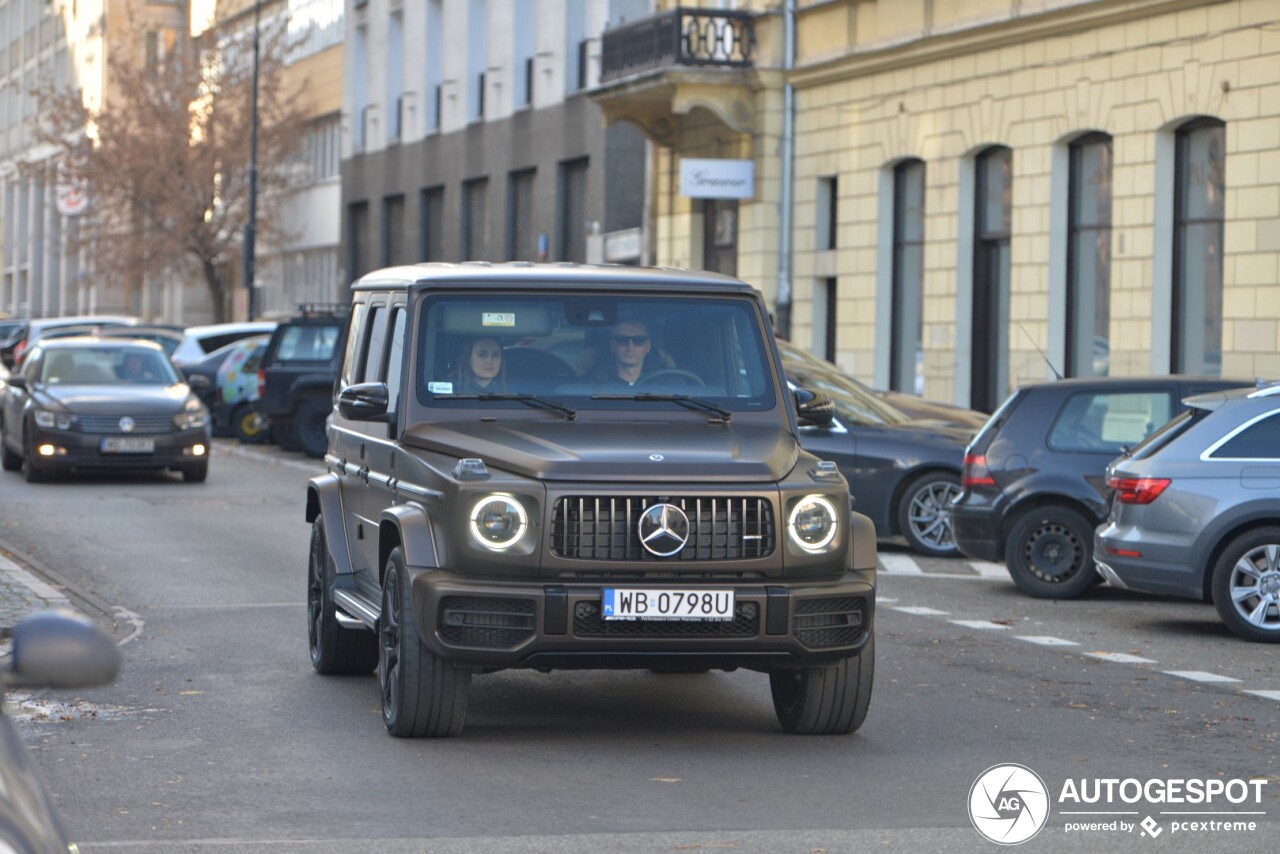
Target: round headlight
[
  {"x": 812, "y": 525},
  {"x": 498, "y": 521}
]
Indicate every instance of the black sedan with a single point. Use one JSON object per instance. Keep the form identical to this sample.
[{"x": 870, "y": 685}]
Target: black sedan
[
  {"x": 903, "y": 472},
  {"x": 102, "y": 403}
]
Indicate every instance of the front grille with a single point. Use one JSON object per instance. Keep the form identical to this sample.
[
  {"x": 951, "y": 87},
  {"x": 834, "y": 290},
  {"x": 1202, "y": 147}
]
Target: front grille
[
  {"x": 111, "y": 424},
  {"x": 821, "y": 623},
  {"x": 587, "y": 623},
  {"x": 606, "y": 528},
  {"x": 486, "y": 621}
]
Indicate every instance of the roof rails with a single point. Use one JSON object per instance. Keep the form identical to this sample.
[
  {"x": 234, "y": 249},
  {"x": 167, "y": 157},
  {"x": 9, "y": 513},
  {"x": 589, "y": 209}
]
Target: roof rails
[
  {"x": 1266, "y": 389},
  {"x": 319, "y": 309}
]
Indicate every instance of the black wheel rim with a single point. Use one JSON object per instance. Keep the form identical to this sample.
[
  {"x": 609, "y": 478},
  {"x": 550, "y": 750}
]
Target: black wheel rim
[
  {"x": 315, "y": 594},
  {"x": 787, "y": 684},
  {"x": 1053, "y": 552},
  {"x": 389, "y": 647}
]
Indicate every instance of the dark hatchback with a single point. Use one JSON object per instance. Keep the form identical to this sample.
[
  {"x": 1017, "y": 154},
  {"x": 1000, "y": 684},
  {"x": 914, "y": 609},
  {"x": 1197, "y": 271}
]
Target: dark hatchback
[
  {"x": 102, "y": 403},
  {"x": 903, "y": 472},
  {"x": 1034, "y": 482}
]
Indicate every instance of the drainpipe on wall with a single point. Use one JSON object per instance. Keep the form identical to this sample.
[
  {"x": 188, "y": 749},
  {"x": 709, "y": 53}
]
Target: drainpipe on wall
[{"x": 782, "y": 311}]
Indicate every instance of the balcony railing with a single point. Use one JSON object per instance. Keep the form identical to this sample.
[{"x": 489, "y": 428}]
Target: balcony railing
[{"x": 702, "y": 37}]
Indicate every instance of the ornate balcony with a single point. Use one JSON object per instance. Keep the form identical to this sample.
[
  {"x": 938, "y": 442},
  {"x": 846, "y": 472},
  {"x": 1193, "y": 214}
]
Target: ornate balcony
[{"x": 655, "y": 70}]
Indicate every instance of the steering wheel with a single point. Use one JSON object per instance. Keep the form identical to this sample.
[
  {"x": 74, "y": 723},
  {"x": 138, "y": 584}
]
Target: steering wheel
[{"x": 692, "y": 378}]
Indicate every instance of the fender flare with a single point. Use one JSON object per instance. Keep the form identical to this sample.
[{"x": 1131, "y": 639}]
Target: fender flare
[
  {"x": 411, "y": 526},
  {"x": 324, "y": 497}
]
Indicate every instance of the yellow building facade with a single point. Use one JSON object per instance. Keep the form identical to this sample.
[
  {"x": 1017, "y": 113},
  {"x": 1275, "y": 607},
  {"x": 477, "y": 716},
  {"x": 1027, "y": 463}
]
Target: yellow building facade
[{"x": 982, "y": 187}]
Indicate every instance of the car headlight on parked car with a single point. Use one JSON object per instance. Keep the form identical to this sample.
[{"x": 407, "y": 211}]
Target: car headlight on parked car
[
  {"x": 813, "y": 523},
  {"x": 192, "y": 415},
  {"x": 50, "y": 420},
  {"x": 498, "y": 521}
]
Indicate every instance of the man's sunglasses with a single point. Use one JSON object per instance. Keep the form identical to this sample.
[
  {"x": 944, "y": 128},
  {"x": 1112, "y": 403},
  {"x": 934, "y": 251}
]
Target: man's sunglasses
[{"x": 635, "y": 340}]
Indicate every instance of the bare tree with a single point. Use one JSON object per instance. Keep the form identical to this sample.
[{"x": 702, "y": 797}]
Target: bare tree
[{"x": 165, "y": 160}]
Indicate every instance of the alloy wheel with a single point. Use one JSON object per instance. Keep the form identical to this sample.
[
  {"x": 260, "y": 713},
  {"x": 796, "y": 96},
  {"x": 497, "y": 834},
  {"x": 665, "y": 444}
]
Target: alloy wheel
[
  {"x": 1255, "y": 587},
  {"x": 930, "y": 514},
  {"x": 389, "y": 647}
]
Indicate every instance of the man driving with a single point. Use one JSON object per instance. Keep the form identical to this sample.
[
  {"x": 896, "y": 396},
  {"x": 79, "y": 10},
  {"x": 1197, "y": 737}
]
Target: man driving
[{"x": 629, "y": 345}]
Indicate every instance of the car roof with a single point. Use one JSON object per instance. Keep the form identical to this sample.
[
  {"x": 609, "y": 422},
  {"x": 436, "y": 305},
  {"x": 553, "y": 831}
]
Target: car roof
[
  {"x": 128, "y": 331},
  {"x": 558, "y": 276},
  {"x": 100, "y": 343},
  {"x": 1213, "y": 399},
  {"x": 1078, "y": 383},
  {"x": 241, "y": 326},
  {"x": 40, "y": 323}
]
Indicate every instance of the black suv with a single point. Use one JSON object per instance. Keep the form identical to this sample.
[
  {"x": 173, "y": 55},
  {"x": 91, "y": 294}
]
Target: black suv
[
  {"x": 1034, "y": 479},
  {"x": 297, "y": 376},
  {"x": 563, "y": 466}
]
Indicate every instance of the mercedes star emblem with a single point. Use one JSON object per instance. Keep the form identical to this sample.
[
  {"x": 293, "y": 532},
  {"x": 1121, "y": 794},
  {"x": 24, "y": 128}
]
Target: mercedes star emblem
[
  {"x": 126, "y": 424},
  {"x": 664, "y": 529}
]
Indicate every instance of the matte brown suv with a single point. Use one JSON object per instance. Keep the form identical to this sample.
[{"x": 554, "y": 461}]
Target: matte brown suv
[{"x": 561, "y": 466}]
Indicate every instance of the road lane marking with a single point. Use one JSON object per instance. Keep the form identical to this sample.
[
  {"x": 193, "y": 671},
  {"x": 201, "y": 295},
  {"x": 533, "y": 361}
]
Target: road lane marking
[
  {"x": 1200, "y": 676},
  {"x": 987, "y": 569},
  {"x": 1266, "y": 695},
  {"x": 1120, "y": 657},
  {"x": 919, "y": 610},
  {"x": 895, "y": 564},
  {"x": 981, "y": 624},
  {"x": 1046, "y": 640}
]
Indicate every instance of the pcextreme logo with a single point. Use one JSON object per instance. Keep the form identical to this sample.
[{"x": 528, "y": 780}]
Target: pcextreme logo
[{"x": 1008, "y": 804}]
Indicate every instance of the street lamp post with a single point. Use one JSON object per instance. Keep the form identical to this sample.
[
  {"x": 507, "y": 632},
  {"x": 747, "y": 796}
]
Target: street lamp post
[{"x": 251, "y": 227}]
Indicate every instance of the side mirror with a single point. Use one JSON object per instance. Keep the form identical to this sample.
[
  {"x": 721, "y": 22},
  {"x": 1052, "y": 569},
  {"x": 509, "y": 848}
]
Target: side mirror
[
  {"x": 16, "y": 381},
  {"x": 363, "y": 402},
  {"x": 60, "y": 649},
  {"x": 813, "y": 408}
]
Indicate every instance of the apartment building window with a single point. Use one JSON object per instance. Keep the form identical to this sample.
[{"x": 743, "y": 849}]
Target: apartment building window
[
  {"x": 431, "y": 224},
  {"x": 991, "y": 273},
  {"x": 573, "y": 210},
  {"x": 475, "y": 222},
  {"x": 575, "y": 45},
  {"x": 394, "y": 65},
  {"x": 153, "y": 50},
  {"x": 360, "y": 89},
  {"x": 525, "y": 47},
  {"x": 435, "y": 63},
  {"x": 393, "y": 230},
  {"x": 830, "y": 295},
  {"x": 477, "y": 57},
  {"x": 827, "y": 202},
  {"x": 318, "y": 153},
  {"x": 522, "y": 236},
  {"x": 906, "y": 353},
  {"x": 314, "y": 25},
  {"x": 1089, "y": 257},
  {"x": 1199, "y": 207},
  {"x": 358, "y": 258}
]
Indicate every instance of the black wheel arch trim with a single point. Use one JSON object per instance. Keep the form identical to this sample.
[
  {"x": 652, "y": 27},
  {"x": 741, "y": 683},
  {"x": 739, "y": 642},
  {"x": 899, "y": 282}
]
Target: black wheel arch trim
[
  {"x": 408, "y": 526},
  {"x": 324, "y": 497}
]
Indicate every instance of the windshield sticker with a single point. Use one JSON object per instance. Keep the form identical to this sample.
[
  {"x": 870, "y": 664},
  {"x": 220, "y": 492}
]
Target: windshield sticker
[
  {"x": 498, "y": 318},
  {"x": 440, "y": 388}
]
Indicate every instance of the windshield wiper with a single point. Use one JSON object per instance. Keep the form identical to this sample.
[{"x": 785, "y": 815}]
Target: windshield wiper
[
  {"x": 694, "y": 403},
  {"x": 527, "y": 399}
]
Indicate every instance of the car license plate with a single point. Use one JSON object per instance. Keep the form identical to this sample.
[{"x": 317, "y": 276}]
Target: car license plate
[
  {"x": 128, "y": 445},
  {"x": 622, "y": 603}
]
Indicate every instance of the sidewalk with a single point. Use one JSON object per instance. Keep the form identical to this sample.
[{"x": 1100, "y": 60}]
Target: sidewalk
[{"x": 21, "y": 593}]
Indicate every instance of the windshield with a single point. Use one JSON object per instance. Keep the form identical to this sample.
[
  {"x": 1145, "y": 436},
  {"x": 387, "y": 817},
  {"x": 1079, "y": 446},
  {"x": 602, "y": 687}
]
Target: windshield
[
  {"x": 592, "y": 351},
  {"x": 106, "y": 366}
]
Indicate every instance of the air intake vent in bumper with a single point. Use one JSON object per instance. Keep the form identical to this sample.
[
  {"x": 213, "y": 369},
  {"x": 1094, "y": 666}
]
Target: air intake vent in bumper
[
  {"x": 485, "y": 621},
  {"x": 822, "y": 623}
]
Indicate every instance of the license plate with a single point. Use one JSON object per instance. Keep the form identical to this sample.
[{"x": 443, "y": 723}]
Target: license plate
[
  {"x": 622, "y": 603},
  {"x": 128, "y": 445}
]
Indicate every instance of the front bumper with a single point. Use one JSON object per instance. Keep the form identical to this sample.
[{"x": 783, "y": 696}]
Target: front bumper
[
  {"x": 502, "y": 624},
  {"x": 75, "y": 450}
]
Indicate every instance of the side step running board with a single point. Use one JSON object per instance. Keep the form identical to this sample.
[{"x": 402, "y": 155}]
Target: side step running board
[{"x": 360, "y": 612}]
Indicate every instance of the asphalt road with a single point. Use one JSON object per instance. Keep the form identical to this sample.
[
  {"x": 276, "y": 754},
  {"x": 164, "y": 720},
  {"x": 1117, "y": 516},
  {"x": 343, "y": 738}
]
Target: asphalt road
[{"x": 218, "y": 737}]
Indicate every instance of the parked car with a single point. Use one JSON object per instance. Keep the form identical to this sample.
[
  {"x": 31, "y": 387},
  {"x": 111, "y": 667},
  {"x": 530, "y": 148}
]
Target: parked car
[
  {"x": 297, "y": 375},
  {"x": 168, "y": 337},
  {"x": 1195, "y": 511},
  {"x": 903, "y": 473},
  {"x": 913, "y": 405},
  {"x": 18, "y": 343},
  {"x": 227, "y": 383},
  {"x": 199, "y": 341},
  {"x": 654, "y": 512},
  {"x": 1034, "y": 481},
  {"x": 102, "y": 403},
  {"x": 56, "y": 650}
]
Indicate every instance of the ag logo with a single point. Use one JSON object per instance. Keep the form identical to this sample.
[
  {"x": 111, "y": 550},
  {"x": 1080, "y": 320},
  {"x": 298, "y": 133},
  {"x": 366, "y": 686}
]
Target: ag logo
[{"x": 1008, "y": 804}]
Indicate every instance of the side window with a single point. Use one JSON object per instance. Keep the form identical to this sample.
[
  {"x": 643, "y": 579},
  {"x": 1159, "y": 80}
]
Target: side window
[
  {"x": 353, "y": 335},
  {"x": 1103, "y": 422},
  {"x": 31, "y": 367},
  {"x": 372, "y": 360},
  {"x": 395, "y": 356},
  {"x": 1257, "y": 441}
]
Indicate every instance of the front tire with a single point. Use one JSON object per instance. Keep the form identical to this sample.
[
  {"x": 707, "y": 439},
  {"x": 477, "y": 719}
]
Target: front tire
[
  {"x": 10, "y": 460},
  {"x": 334, "y": 650},
  {"x": 422, "y": 693},
  {"x": 31, "y": 473},
  {"x": 829, "y": 700},
  {"x": 924, "y": 514},
  {"x": 1246, "y": 585},
  {"x": 1050, "y": 553},
  {"x": 196, "y": 474},
  {"x": 309, "y": 428}
]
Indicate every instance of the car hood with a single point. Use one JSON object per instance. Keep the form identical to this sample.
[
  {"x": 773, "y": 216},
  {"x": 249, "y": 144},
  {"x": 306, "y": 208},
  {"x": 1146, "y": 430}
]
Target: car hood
[
  {"x": 676, "y": 453},
  {"x": 934, "y": 432},
  {"x": 941, "y": 413},
  {"x": 115, "y": 399}
]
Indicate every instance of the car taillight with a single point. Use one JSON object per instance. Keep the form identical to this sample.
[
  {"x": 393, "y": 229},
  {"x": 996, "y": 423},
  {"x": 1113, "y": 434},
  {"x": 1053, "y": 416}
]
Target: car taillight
[
  {"x": 1138, "y": 490},
  {"x": 975, "y": 471},
  {"x": 18, "y": 351},
  {"x": 262, "y": 383}
]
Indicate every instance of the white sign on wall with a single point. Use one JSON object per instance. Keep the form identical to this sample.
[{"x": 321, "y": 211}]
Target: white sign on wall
[{"x": 717, "y": 179}]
